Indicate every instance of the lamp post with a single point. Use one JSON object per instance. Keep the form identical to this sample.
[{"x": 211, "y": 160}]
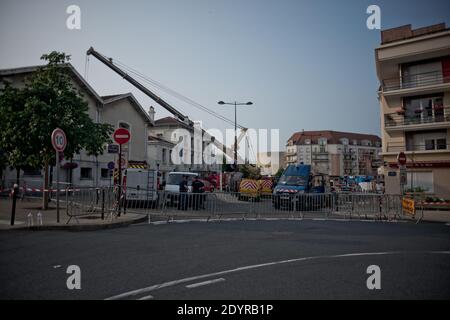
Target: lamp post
[{"x": 235, "y": 104}]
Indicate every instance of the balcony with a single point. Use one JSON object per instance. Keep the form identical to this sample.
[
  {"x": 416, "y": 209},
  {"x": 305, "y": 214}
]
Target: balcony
[
  {"x": 434, "y": 147},
  {"x": 432, "y": 118},
  {"x": 320, "y": 157},
  {"x": 410, "y": 83}
]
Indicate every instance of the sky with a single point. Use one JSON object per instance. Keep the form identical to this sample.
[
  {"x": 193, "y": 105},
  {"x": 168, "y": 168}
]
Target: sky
[{"x": 304, "y": 64}]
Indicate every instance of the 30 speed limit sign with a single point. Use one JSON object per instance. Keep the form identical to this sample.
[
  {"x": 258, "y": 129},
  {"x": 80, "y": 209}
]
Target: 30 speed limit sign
[{"x": 59, "y": 140}]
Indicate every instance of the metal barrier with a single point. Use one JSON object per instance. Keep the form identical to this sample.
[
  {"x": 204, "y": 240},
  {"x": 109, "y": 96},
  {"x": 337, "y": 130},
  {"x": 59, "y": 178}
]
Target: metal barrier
[{"x": 104, "y": 203}]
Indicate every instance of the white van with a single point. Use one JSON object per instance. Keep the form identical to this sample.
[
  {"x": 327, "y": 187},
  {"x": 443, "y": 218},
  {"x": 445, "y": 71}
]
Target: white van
[
  {"x": 174, "y": 179},
  {"x": 141, "y": 185}
]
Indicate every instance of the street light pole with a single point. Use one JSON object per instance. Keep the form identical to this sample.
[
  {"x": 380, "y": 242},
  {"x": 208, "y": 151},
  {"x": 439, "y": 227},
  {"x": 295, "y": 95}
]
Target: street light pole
[
  {"x": 235, "y": 103},
  {"x": 235, "y": 136}
]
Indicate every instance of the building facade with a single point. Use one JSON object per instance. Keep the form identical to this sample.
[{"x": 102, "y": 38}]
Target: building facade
[
  {"x": 270, "y": 162},
  {"x": 121, "y": 110},
  {"x": 413, "y": 67},
  {"x": 181, "y": 134},
  {"x": 335, "y": 153}
]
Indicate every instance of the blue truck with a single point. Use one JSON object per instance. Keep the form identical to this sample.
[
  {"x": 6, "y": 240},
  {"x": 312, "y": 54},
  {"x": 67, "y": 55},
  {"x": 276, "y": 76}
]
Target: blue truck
[{"x": 297, "y": 180}]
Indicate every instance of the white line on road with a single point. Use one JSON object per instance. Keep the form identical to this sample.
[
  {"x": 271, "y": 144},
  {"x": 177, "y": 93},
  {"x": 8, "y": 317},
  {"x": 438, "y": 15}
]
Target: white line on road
[
  {"x": 204, "y": 283},
  {"x": 256, "y": 266},
  {"x": 146, "y": 298}
]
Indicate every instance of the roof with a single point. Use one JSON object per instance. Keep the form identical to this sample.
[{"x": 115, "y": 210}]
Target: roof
[
  {"x": 158, "y": 139},
  {"x": 75, "y": 74},
  {"x": 105, "y": 100},
  {"x": 406, "y": 32},
  {"x": 333, "y": 137},
  {"x": 171, "y": 121},
  {"x": 117, "y": 97}
]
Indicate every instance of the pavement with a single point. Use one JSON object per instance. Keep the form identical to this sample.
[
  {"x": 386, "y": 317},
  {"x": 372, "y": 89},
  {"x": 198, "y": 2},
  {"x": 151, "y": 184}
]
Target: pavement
[
  {"x": 49, "y": 217},
  {"x": 230, "y": 260}
]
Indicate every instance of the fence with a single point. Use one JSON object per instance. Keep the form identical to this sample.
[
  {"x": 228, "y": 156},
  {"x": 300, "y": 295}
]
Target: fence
[{"x": 111, "y": 202}]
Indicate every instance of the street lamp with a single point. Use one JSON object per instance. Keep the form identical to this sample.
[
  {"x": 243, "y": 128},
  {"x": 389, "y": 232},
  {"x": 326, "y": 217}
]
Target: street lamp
[{"x": 235, "y": 104}]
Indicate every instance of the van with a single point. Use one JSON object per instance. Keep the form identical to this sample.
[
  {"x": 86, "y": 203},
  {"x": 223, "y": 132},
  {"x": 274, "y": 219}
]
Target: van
[{"x": 140, "y": 185}]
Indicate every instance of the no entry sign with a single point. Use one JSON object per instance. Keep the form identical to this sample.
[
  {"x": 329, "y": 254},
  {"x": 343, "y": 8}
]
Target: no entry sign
[
  {"x": 59, "y": 140},
  {"x": 121, "y": 136}
]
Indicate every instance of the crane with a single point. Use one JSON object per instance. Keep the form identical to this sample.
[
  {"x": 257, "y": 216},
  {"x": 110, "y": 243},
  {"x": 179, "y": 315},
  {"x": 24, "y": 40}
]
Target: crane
[{"x": 109, "y": 63}]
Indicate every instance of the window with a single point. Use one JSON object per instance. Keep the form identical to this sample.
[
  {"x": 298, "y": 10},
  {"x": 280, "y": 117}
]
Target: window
[
  {"x": 86, "y": 173},
  {"x": 429, "y": 144},
  {"x": 423, "y": 180},
  {"x": 104, "y": 173},
  {"x": 124, "y": 125},
  {"x": 164, "y": 155},
  {"x": 441, "y": 144}
]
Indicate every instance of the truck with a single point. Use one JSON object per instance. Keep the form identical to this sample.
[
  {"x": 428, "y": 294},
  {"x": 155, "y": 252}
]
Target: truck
[
  {"x": 140, "y": 185},
  {"x": 297, "y": 180}
]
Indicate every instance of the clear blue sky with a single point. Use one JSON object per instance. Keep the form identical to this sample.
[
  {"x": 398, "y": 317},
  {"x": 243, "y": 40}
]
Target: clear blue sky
[{"x": 305, "y": 64}]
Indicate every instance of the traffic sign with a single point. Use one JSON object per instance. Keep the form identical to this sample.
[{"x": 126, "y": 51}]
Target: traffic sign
[
  {"x": 59, "y": 140},
  {"x": 121, "y": 136},
  {"x": 113, "y": 148},
  {"x": 401, "y": 158},
  {"x": 122, "y": 164},
  {"x": 111, "y": 165}
]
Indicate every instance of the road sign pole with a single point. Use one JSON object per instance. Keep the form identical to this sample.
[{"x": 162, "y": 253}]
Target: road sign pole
[
  {"x": 57, "y": 186},
  {"x": 120, "y": 178}
]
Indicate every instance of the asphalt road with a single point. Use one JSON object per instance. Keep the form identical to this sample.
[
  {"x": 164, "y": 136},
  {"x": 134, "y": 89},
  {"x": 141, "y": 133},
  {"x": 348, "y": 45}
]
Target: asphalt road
[{"x": 230, "y": 260}]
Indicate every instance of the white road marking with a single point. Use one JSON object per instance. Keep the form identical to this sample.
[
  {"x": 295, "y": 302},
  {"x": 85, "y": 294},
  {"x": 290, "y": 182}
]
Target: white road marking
[
  {"x": 57, "y": 266},
  {"x": 256, "y": 266},
  {"x": 204, "y": 283},
  {"x": 146, "y": 298}
]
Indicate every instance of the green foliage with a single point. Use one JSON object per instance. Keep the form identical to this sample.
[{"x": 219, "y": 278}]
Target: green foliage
[
  {"x": 250, "y": 172},
  {"x": 48, "y": 100}
]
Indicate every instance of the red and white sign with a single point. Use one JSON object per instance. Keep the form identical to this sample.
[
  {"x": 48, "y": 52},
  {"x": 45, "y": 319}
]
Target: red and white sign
[
  {"x": 401, "y": 158},
  {"x": 59, "y": 140},
  {"x": 123, "y": 163},
  {"x": 121, "y": 136}
]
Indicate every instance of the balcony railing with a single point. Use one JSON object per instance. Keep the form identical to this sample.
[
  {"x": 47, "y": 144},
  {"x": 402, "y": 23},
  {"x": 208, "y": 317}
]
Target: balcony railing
[
  {"x": 416, "y": 80},
  {"x": 420, "y": 116},
  {"x": 422, "y": 147}
]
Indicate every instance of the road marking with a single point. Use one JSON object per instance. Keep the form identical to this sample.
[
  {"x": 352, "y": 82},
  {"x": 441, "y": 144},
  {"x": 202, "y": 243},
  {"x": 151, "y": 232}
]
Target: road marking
[
  {"x": 204, "y": 283},
  {"x": 256, "y": 266},
  {"x": 146, "y": 298}
]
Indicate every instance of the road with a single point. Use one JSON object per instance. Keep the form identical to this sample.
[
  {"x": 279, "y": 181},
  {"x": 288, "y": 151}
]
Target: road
[{"x": 230, "y": 260}]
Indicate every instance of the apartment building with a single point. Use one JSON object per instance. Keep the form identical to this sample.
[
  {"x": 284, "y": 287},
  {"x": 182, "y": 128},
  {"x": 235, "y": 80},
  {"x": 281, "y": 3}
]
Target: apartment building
[
  {"x": 413, "y": 67},
  {"x": 335, "y": 153}
]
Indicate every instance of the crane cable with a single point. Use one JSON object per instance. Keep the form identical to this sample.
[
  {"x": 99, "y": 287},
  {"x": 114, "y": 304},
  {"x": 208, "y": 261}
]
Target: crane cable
[{"x": 174, "y": 93}]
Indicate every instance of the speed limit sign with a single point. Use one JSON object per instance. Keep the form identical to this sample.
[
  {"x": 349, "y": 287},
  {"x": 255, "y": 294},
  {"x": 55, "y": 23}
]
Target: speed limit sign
[{"x": 59, "y": 140}]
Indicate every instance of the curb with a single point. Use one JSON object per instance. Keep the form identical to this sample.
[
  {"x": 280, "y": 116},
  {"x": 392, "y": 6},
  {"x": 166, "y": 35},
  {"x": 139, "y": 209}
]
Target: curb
[{"x": 80, "y": 227}]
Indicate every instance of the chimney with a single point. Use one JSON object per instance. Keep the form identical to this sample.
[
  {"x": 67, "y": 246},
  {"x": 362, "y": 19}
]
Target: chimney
[{"x": 151, "y": 113}]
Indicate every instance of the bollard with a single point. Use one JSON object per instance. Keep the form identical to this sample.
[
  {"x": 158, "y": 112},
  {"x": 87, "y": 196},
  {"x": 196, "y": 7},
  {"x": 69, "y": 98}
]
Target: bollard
[
  {"x": 39, "y": 219},
  {"x": 14, "y": 199},
  {"x": 30, "y": 219},
  {"x": 103, "y": 203}
]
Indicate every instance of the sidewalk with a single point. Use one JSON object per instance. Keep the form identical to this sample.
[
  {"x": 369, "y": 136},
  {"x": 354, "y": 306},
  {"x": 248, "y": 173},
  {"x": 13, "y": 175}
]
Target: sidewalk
[{"x": 49, "y": 218}]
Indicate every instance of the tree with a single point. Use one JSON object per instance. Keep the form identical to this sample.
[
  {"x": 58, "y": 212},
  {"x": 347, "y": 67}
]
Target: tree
[{"x": 49, "y": 100}]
